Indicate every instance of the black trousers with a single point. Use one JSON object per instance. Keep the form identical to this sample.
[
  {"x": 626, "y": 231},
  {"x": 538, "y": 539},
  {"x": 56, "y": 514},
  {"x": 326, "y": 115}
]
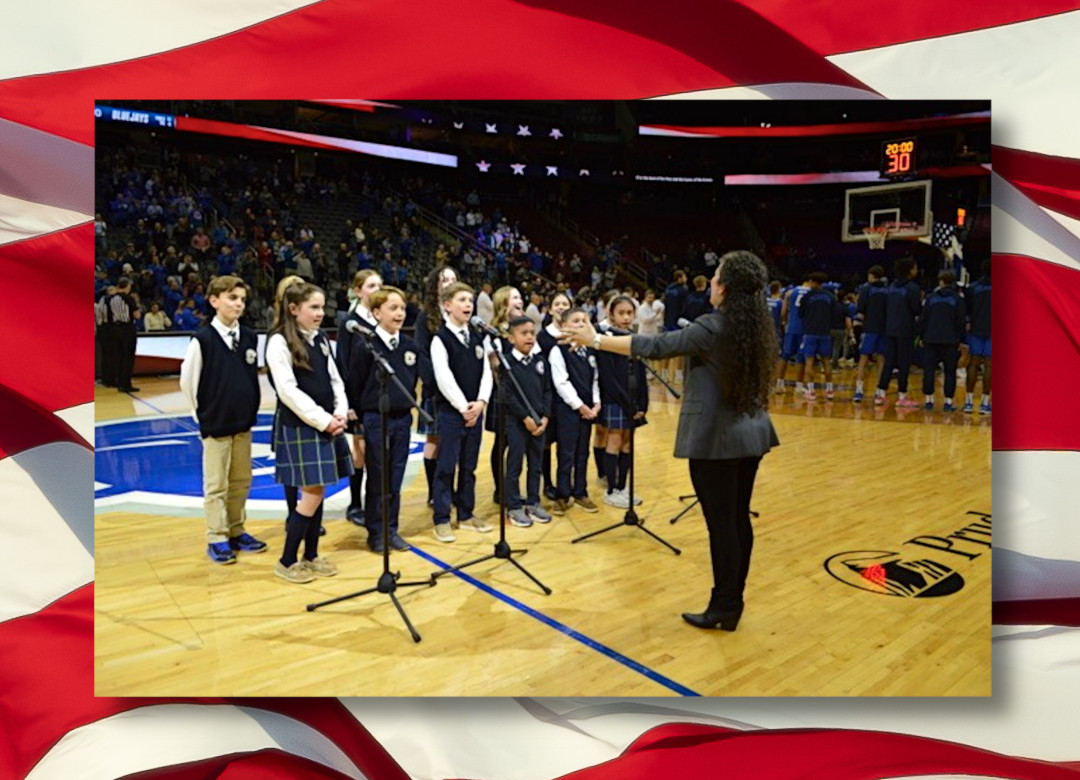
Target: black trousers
[
  {"x": 524, "y": 448},
  {"x": 107, "y": 338},
  {"x": 724, "y": 488},
  {"x": 898, "y": 351},
  {"x": 124, "y": 346},
  {"x": 949, "y": 356}
]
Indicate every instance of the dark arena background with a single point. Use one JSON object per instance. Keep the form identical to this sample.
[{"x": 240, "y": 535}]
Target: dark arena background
[{"x": 871, "y": 568}]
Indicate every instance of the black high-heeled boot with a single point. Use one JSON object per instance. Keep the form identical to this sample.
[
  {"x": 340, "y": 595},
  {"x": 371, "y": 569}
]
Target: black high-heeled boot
[{"x": 715, "y": 615}]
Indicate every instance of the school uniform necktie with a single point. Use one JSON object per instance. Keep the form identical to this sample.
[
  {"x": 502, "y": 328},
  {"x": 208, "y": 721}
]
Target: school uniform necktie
[
  {"x": 526, "y": 360},
  {"x": 393, "y": 344},
  {"x": 235, "y": 340},
  {"x": 465, "y": 337}
]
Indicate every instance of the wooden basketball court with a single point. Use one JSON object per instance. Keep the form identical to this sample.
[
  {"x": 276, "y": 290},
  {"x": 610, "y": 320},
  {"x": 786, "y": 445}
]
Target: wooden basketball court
[{"x": 882, "y": 495}]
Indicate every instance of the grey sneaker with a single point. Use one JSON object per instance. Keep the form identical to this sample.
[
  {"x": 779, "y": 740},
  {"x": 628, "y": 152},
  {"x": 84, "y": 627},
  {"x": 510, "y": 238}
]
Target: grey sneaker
[
  {"x": 538, "y": 513},
  {"x": 298, "y": 572},
  {"x": 519, "y": 517}
]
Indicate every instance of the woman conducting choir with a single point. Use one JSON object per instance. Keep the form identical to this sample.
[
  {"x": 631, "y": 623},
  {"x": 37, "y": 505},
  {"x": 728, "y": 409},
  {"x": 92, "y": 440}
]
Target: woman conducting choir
[{"x": 724, "y": 428}]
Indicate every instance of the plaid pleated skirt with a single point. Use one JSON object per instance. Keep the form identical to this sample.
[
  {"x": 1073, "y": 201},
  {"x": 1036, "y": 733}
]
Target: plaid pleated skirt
[
  {"x": 614, "y": 417},
  {"x": 431, "y": 406},
  {"x": 305, "y": 456}
]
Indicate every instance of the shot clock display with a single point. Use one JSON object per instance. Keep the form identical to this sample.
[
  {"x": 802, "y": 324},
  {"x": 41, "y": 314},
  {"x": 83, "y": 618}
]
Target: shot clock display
[{"x": 898, "y": 157}]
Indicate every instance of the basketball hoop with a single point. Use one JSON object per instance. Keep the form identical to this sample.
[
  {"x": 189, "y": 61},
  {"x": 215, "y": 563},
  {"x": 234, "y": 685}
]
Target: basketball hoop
[{"x": 875, "y": 237}]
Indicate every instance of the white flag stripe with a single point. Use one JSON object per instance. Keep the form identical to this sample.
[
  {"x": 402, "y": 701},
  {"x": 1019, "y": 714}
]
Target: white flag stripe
[
  {"x": 795, "y": 90},
  {"x": 23, "y": 219},
  {"x": 499, "y": 738},
  {"x": 1039, "y": 505},
  {"x": 1029, "y": 69},
  {"x": 45, "y": 169},
  {"x": 1022, "y": 227},
  {"x": 1036, "y": 676},
  {"x": 44, "y": 559},
  {"x": 162, "y": 735},
  {"x": 1070, "y": 224},
  {"x": 81, "y": 420},
  {"x": 82, "y": 35}
]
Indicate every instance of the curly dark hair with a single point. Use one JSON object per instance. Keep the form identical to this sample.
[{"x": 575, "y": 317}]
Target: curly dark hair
[
  {"x": 748, "y": 349},
  {"x": 432, "y": 307}
]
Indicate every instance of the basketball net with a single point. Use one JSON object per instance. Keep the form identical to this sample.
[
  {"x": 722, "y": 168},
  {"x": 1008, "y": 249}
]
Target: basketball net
[{"x": 875, "y": 237}]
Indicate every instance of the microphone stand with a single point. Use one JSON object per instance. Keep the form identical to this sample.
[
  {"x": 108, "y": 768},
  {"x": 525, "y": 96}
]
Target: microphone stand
[
  {"x": 502, "y": 549},
  {"x": 675, "y": 394},
  {"x": 388, "y": 581},
  {"x": 631, "y": 518}
]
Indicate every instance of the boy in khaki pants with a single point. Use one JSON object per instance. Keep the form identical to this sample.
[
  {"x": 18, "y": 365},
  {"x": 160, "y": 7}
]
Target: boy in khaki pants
[{"x": 220, "y": 379}]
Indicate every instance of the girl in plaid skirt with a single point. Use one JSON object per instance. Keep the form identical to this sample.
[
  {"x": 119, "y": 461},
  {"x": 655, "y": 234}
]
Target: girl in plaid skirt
[
  {"x": 615, "y": 405},
  {"x": 310, "y": 449}
]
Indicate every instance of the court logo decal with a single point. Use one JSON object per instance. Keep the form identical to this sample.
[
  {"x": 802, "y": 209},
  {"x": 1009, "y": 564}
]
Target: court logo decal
[
  {"x": 157, "y": 461},
  {"x": 889, "y": 574},
  {"x": 892, "y": 573}
]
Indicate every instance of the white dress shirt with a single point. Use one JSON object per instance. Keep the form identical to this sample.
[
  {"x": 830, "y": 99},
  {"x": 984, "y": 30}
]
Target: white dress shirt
[
  {"x": 279, "y": 361},
  {"x": 191, "y": 368},
  {"x": 560, "y": 377},
  {"x": 444, "y": 378}
]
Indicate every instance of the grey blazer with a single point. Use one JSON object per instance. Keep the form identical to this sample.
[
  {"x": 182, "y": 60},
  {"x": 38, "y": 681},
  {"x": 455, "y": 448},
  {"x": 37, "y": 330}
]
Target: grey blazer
[{"x": 708, "y": 429}]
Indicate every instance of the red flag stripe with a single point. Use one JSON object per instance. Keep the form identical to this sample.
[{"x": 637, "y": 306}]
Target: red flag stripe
[
  {"x": 47, "y": 319},
  {"x": 47, "y": 657},
  {"x": 1055, "y": 612},
  {"x": 264, "y": 765},
  {"x": 775, "y": 754},
  {"x": 1043, "y": 299},
  {"x": 847, "y": 128},
  {"x": 27, "y": 425},
  {"x": 1053, "y": 182},
  {"x": 581, "y": 59}
]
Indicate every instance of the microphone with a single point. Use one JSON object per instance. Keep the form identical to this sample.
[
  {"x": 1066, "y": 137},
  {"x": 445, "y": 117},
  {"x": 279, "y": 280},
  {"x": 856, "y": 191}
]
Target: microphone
[
  {"x": 483, "y": 327},
  {"x": 611, "y": 330},
  {"x": 357, "y": 329},
  {"x": 682, "y": 322}
]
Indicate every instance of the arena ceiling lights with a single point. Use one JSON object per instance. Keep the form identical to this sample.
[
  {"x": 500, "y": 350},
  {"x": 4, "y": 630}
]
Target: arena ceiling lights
[
  {"x": 272, "y": 135},
  {"x": 768, "y": 130}
]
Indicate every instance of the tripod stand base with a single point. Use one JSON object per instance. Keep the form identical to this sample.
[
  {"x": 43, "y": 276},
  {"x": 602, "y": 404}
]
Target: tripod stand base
[
  {"x": 696, "y": 502},
  {"x": 502, "y": 551},
  {"x": 388, "y": 584},
  {"x": 630, "y": 518}
]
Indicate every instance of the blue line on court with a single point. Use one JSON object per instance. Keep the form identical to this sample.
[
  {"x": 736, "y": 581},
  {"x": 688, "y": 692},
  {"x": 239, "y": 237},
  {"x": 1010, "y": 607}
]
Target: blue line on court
[
  {"x": 591, "y": 643},
  {"x": 184, "y": 421}
]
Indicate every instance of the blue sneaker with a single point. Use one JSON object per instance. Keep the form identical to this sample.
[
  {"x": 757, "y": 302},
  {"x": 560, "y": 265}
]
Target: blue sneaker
[
  {"x": 949, "y": 407},
  {"x": 929, "y": 406},
  {"x": 984, "y": 408},
  {"x": 221, "y": 552},
  {"x": 969, "y": 407},
  {"x": 857, "y": 398},
  {"x": 247, "y": 543}
]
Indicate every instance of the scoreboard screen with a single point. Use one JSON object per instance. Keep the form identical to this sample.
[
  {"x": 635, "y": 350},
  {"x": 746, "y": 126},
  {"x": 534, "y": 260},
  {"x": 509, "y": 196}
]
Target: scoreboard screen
[{"x": 898, "y": 157}]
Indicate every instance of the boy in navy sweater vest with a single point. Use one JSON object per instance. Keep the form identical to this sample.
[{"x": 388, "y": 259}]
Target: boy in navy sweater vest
[
  {"x": 401, "y": 352},
  {"x": 220, "y": 379},
  {"x": 524, "y": 435},
  {"x": 462, "y": 388},
  {"x": 576, "y": 381}
]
